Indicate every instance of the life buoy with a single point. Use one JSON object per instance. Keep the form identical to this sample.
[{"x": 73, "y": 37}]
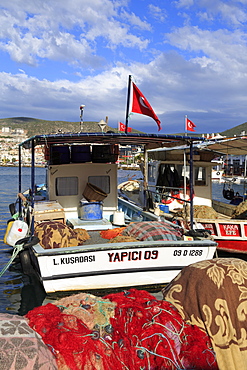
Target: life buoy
[
  {"x": 168, "y": 199},
  {"x": 218, "y": 173},
  {"x": 180, "y": 196}
]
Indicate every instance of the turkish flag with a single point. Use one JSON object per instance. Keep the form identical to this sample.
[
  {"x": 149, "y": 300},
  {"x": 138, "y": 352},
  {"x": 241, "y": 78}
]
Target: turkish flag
[
  {"x": 141, "y": 105},
  {"x": 189, "y": 125},
  {"x": 122, "y": 127}
]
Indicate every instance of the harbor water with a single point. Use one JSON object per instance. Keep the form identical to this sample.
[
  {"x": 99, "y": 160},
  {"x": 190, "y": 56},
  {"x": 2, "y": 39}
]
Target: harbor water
[{"x": 20, "y": 293}]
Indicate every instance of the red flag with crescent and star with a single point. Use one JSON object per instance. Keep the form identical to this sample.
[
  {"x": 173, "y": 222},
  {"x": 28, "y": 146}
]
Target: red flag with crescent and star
[
  {"x": 122, "y": 127},
  {"x": 141, "y": 105},
  {"x": 189, "y": 125}
]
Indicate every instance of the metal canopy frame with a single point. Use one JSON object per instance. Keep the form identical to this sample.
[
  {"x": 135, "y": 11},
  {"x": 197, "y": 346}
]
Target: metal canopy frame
[
  {"x": 109, "y": 138},
  {"x": 147, "y": 140}
]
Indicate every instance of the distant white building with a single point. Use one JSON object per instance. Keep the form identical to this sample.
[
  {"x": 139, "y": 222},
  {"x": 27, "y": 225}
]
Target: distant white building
[
  {"x": 19, "y": 131},
  {"x": 6, "y": 129}
]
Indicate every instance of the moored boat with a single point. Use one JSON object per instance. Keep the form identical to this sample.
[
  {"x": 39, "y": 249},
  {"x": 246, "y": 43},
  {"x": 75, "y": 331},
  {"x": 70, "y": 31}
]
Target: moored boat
[
  {"x": 80, "y": 203},
  {"x": 227, "y": 225}
]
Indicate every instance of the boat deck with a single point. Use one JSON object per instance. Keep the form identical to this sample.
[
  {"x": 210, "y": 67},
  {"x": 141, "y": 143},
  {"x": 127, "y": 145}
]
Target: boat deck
[{"x": 95, "y": 238}]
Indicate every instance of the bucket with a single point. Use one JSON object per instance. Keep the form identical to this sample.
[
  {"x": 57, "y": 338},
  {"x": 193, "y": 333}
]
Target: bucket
[
  {"x": 92, "y": 193},
  {"x": 16, "y": 230},
  {"x": 118, "y": 218},
  {"x": 91, "y": 211},
  {"x": 60, "y": 155},
  {"x": 80, "y": 153}
]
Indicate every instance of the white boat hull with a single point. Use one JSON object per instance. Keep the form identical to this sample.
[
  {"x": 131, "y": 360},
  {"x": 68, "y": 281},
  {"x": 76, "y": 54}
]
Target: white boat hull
[{"x": 117, "y": 265}]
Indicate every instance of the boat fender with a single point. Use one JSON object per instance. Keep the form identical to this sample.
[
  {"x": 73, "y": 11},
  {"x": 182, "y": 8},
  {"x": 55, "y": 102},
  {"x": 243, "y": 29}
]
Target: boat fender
[
  {"x": 26, "y": 263},
  {"x": 228, "y": 194},
  {"x": 237, "y": 199},
  {"x": 218, "y": 173},
  {"x": 199, "y": 233},
  {"x": 12, "y": 209}
]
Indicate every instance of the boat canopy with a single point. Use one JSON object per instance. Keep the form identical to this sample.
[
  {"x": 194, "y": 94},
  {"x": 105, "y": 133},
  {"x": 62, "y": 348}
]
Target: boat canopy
[
  {"x": 231, "y": 146},
  {"x": 162, "y": 154},
  {"x": 150, "y": 140}
]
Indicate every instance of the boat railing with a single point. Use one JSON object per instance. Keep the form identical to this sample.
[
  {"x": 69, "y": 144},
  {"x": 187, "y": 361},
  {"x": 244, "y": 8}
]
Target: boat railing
[
  {"x": 165, "y": 193},
  {"x": 130, "y": 210}
]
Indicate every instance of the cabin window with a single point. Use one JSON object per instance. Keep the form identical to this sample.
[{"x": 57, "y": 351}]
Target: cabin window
[
  {"x": 66, "y": 186},
  {"x": 151, "y": 172},
  {"x": 103, "y": 182},
  {"x": 183, "y": 171},
  {"x": 200, "y": 176}
]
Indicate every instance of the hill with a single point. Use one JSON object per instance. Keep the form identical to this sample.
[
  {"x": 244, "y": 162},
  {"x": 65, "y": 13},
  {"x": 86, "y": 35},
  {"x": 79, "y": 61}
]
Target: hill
[
  {"x": 237, "y": 130},
  {"x": 34, "y": 126}
]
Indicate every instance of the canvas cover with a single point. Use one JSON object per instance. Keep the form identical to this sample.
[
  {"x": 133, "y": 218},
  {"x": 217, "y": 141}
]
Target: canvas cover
[{"x": 212, "y": 295}]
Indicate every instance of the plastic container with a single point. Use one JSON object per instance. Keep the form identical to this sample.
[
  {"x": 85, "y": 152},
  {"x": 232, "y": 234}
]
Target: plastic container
[
  {"x": 16, "y": 230},
  {"x": 90, "y": 211},
  {"x": 60, "y": 155},
  {"x": 80, "y": 153},
  {"x": 164, "y": 208},
  {"x": 118, "y": 218}
]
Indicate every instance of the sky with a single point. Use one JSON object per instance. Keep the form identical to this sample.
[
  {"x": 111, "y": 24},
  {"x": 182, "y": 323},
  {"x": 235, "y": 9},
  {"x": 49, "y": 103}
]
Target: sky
[{"x": 188, "y": 58}]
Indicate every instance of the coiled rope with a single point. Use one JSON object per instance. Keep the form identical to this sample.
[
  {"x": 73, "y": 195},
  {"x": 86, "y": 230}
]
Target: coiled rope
[{"x": 17, "y": 249}]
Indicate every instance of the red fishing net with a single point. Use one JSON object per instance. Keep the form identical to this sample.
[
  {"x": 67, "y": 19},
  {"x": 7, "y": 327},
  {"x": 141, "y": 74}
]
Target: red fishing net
[{"x": 143, "y": 334}]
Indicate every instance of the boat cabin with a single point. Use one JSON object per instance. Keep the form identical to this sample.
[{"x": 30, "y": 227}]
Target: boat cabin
[
  {"x": 76, "y": 161},
  {"x": 171, "y": 178}
]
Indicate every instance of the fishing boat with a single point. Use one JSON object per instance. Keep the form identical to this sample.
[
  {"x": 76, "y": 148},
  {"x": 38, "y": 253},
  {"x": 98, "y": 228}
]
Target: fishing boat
[
  {"x": 80, "y": 194},
  {"x": 176, "y": 191}
]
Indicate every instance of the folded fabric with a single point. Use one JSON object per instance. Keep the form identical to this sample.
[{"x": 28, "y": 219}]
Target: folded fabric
[
  {"x": 212, "y": 294},
  {"x": 21, "y": 347},
  {"x": 54, "y": 234},
  {"x": 155, "y": 230}
]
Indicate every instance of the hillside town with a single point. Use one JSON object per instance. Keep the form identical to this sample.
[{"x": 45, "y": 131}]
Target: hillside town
[
  {"x": 9, "y": 140},
  {"x": 128, "y": 156}
]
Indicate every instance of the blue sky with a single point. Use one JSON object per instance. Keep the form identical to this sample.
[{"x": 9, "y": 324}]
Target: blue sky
[{"x": 188, "y": 57}]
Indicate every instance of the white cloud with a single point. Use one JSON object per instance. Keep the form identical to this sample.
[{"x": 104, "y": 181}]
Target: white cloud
[
  {"x": 226, "y": 50},
  {"x": 83, "y": 51},
  {"x": 45, "y": 31},
  {"x": 157, "y": 13},
  {"x": 230, "y": 11}
]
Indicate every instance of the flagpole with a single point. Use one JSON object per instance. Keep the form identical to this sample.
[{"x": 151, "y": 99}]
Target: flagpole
[
  {"x": 185, "y": 121},
  {"x": 127, "y": 108}
]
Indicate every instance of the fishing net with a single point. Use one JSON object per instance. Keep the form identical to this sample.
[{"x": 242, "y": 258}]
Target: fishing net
[
  {"x": 111, "y": 233},
  {"x": 131, "y": 330}
]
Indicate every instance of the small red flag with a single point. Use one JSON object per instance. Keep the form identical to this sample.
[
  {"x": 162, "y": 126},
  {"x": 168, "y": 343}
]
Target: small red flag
[
  {"x": 189, "y": 125},
  {"x": 141, "y": 105},
  {"x": 122, "y": 127}
]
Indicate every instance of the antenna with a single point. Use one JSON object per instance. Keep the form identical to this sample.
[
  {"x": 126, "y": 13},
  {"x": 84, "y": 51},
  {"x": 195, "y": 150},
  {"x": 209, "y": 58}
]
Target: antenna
[{"x": 81, "y": 116}]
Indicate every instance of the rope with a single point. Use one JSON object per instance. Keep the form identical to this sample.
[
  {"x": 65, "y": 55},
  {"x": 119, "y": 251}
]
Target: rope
[{"x": 16, "y": 250}]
